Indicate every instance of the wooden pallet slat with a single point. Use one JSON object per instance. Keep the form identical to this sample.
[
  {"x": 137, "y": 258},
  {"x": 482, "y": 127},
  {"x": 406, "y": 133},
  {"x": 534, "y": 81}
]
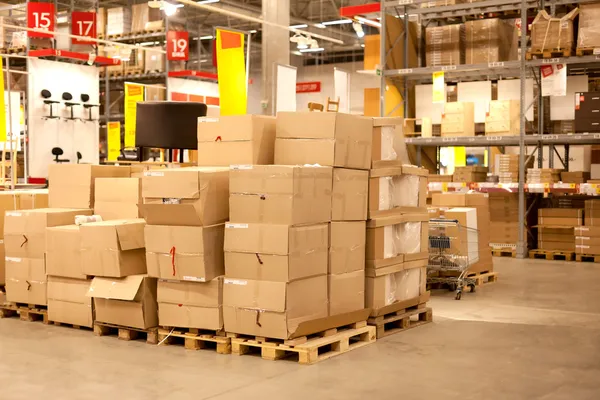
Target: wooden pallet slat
[
  {"x": 195, "y": 339},
  {"x": 552, "y": 255},
  {"x": 548, "y": 53},
  {"x": 586, "y": 51},
  {"x": 124, "y": 332},
  {"x": 68, "y": 325},
  {"x": 401, "y": 320},
  {"x": 483, "y": 277},
  {"x": 26, "y": 312},
  {"x": 507, "y": 252},
  {"x": 592, "y": 258}
]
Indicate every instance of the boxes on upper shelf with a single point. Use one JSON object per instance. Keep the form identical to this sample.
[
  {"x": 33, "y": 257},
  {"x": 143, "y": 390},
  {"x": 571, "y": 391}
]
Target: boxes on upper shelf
[
  {"x": 470, "y": 173},
  {"x": 543, "y": 175},
  {"x": 574, "y": 176},
  {"x": 397, "y": 189},
  {"x": 503, "y": 118},
  {"x": 458, "y": 119},
  {"x": 329, "y": 139},
  {"x": 588, "y": 36},
  {"x": 488, "y": 40},
  {"x": 117, "y": 198},
  {"x": 549, "y": 33},
  {"x": 68, "y": 301},
  {"x": 236, "y": 139},
  {"x": 445, "y": 45}
]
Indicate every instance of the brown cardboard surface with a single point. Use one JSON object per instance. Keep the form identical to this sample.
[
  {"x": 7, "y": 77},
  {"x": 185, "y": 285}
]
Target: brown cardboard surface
[
  {"x": 592, "y": 213},
  {"x": 184, "y": 253},
  {"x": 375, "y": 270},
  {"x": 561, "y": 212},
  {"x": 113, "y": 248},
  {"x": 2, "y": 264},
  {"x": 118, "y": 198},
  {"x": 566, "y": 246},
  {"x": 398, "y": 218},
  {"x": 346, "y": 292},
  {"x": 587, "y": 249},
  {"x": 590, "y": 241},
  {"x": 63, "y": 252},
  {"x": 280, "y": 194},
  {"x": 386, "y": 243},
  {"x": 571, "y": 221},
  {"x": 26, "y": 280},
  {"x": 391, "y": 191},
  {"x": 129, "y": 301},
  {"x": 25, "y": 230},
  {"x": 347, "y": 241},
  {"x": 72, "y": 185},
  {"x": 276, "y": 239},
  {"x": 184, "y": 316},
  {"x": 186, "y": 196},
  {"x": 70, "y": 313},
  {"x": 589, "y": 231},
  {"x": 349, "y": 195},
  {"x": 68, "y": 302},
  {"x": 236, "y": 139},
  {"x": 591, "y": 221},
  {"x": 348, "y": 139},
  {"x": 30, "y": 199},
  {"x": 400, "y": 286},
  {"x": 422, "y": 299}
]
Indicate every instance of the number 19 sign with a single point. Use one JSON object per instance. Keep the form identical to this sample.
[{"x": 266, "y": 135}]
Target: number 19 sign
[
  {"x": 83, "y": 24},
  {"x": 40, "y": 16},
  {"x": 177, "y": 46}
]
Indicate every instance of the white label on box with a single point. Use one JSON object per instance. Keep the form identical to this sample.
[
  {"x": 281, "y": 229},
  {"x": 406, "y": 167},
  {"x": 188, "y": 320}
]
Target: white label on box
[
  {"x": 168, "y": 200},
  {"x": 193, "y": 279},
  {"x": 241, "y": 166},
  {"x": 581, "y": 246},
  {"x": 206, "y": 119},
  {"x": 236, "y": 226},
  {"x": 582, "y": 238},
  {"x": 13, "y": 214},
  {"x": 12, "y": 259},
  {"x": 153, "y": 173},
  {"x": 235, "y": 282}
]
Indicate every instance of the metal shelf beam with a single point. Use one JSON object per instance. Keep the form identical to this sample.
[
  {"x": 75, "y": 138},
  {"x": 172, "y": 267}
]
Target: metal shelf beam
[{"x": 485, "y": 141}]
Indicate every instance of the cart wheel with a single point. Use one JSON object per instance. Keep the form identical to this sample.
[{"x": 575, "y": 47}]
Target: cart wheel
[
  {"x": 458, "y": 295},
  {"x": 472, "y": 288}
]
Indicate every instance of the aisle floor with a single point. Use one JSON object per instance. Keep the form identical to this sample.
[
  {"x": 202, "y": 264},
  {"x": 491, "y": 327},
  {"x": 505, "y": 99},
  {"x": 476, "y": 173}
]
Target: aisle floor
[{"x": 535, "y": 334}]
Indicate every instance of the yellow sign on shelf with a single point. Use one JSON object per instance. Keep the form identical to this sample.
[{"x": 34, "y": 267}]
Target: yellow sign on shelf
[
  {"x": 231, "y": 67},
  {"x": 2, "y": 105},
  {"x": 133, "y": 94},
  {"x": 439, "y": 89},
  {"x": 113, "y": 140}
]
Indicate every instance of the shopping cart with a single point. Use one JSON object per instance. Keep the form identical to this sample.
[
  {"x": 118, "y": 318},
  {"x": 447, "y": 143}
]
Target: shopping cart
[{"x": 449, "y": 254}]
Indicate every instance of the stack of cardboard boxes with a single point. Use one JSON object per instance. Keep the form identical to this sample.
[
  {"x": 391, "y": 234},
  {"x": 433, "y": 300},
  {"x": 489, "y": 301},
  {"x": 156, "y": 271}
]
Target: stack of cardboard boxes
[
  {"x": 556, "y": 228},
  {"x": 587, "y": 237},
  {"x": 543, "y": 175},
  {"x": 470, "y": 174},
  {"x": 504, "y": 218},
  {"x": 445, "y": 45},
  {"x": 508, "y": 167}
]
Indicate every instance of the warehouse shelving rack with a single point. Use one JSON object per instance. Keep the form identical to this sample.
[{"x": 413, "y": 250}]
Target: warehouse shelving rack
[{"x": 521, "y": 69}]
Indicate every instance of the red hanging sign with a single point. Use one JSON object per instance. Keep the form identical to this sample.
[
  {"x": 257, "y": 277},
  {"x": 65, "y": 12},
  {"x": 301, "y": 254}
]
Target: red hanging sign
[
  {"x": 178, "y": 45},
  {"x": 40, "y": 16},
  {"x": 308, "y": 87},
  {"x": 83, "y": 24}
]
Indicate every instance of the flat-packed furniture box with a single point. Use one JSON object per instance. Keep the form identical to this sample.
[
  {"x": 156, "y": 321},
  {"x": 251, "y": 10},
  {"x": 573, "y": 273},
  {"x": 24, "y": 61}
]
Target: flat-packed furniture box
[
  {"x": 574, "y": 176},
  {"x": 395, "y": 287},
  {"x": 154, "y": 62},
  {"x": 549, "y": 33},
  {"x": 488, "y": 40},
  {"x": 560, "y": 238},
  {"x": 26, "y": 280},
  {"x": 591, "y": 213},
  {"x": 191, "y": 304},
  {"x": 118, "y": 21},
  {"x": 196, "y": 196},
  {"x": 587, "y": 240},
  {"x": 349, "y": 194},
  {"x": 236, "y": 139},
  {"x": 470, "y": 173},
  {"x": 72, "y": 185},
  {"x": 388, "y": 147},
  {"x": 128, "y": 301},
  {"x": 63, "y": 252},
  {"x": 587, "y": 109},
  {"x": 68, "y": 301},
  {"x": 329, "y": 139},
  {"x": 560, "y": 217},
  {"x": 141, "y": 15},
  {"x": 503, "y": 118},
  {"x": 184, "y": 253},
  {"x": 508, "y": 167},
  {"x": 282, "y": 194},
  {"x": 588, "y": 36},
  {"x": 445, "y": 45},
  {"x": 117, "y": 198},
  {"x": 439, "y": 178},
  {"x": 543, "y": 175},
  {"x": 464, "y": 238},
  {"x": 113, "y": 248},
  {"x": 458, "y": 119},
  {"x": 397, "y": 189}
]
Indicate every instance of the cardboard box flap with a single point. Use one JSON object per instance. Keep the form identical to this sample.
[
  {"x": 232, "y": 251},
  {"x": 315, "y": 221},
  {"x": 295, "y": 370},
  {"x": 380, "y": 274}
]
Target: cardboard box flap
[
  {"x": 414, "y": 170},
  {"x": 179, "y": 214},
  {"x": 397, "y": 219},
  {"x": 117, "y": 289},
  {"x": 389, "y": 171},
  {"x": 178, "y": 183},
  {"x": 234, "y": 128},
  {"x": 387, "y": 121},
  {"x": 323, "y": 324},
  {"x": 130, "y": 234}
]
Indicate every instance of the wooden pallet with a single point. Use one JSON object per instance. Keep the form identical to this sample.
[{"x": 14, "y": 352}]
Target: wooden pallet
[
  {"x": 195, "y": 339},
  {"x": 26, "y": 312},
  {"x": 549, "y": 53},
  {"x": 69, "y": 325},
  {"x": 311, "y": 349},
  {"x": 483, "y": 277},
  {"x": 401, "y": 320},
  {"x": 125, "y": 332},
  {"x": 133, "y": 72},
  {"x": 504, "y": 252},
  {"x": 153, "y": 71},
  {"x": 593, "y": 258},
  {"x": 585, "y": 51},
  {"x": 552, "y": 255}
]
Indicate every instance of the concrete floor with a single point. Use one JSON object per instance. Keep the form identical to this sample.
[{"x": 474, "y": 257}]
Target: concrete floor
[{"x": 533, "y": 335}]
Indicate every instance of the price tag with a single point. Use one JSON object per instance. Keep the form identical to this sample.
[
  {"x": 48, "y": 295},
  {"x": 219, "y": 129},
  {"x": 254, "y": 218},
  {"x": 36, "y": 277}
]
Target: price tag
[
  {"x": 401, "y": 2},
  {"x": 448, "y": 68},
  {"x": 83, "y": 24},
  {"x": 405, "y": 71},
  {"x": 40, "y": 16},
  {"x": 178, "y": 45},
  {"x": 550, "y": 60},
  {"x": 449, "y": 139},
  {"x": 496, "y": 64},
  {"x": 493, "y": 138}
]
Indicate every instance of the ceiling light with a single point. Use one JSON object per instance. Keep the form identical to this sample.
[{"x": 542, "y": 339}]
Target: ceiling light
[
  {"x": 337, "y": 22},
  {"x": 62, "y": 20},
  {"x": 296, "y": 53},
  {"x": 321, "y": 26},
  {"x": 207, "y": 1},
  {"x": 301, "y": 41},
  {"x": 253, "y": 31},
  {"x": 313, "y": 43},
  {"x": 358, "y": 29},
  {"x": 169, "y": 8},
  {"x": 300, "y": 26},
  {"x": 207, "y": 37},
  {"x": 362, "y": 45},
  {"x": 369, "y": 22},
  {"x": 311, "y": 50}
]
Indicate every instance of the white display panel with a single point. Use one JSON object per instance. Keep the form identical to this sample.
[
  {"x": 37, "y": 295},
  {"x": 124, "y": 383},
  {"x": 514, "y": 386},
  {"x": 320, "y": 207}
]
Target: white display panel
[
  {"x": 341, "y": 89},
  {"x": 510, "y": 89},
  {"x": 425, "y": 106},
  {"x": 479, "y": 93},
  {"x": 196, "y": 87},
  {"x": 563, "y": 107},
  {"x": 285, "y": 88}
]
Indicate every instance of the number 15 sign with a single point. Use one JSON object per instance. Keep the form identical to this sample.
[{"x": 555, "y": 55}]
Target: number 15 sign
[
  {"x": 178, "y": 45},
  {"x": 40, "y": 16}
]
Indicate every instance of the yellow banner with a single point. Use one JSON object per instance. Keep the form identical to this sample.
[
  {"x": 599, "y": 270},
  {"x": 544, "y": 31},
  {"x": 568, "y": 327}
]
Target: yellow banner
[
  {"x": 113, "y": 140},
  {"x": 439, "y": 90},
  {"x": 231, "y": 68},
  {"x": 2, "y": 105},
  {"x": 133, "y": 94}
]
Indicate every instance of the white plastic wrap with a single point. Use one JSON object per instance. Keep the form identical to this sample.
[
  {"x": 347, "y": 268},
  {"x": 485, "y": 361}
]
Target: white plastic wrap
[
  {"x": 404, "y": 238},
  {"x": 404, "y": 285},
  {"x": 398, "y": 191},
  {"x": 388, "y": 151}
]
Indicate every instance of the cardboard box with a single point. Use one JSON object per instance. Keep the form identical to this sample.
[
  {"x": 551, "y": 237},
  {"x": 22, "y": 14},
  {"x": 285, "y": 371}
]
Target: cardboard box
[
  {"x": 588, "y": 34},
  {"x": 25, "y": 230},
  {"x": 330, "y": 139},
  {"x": 487, "y": 40},
  {"x": 129, "y": 301},
  {"x": 464, "y": 239},
  {"x": 349, "y": 195},
  {"x": 458, "y": 119},
  {"x": 560, "y": 212},
  {"x": 72, "y": 185},
  {"x": 236, "y": 139},
  {"x": 587, "y": 249},
  {"x": 445, "y": 45},
  {"x": 30, "y": 199},
  {"x": 346, "y": 292},
  {"x": 548, "y": 33},
  {"x": 347, "y": 241},
  {"x": 588, "y": 231},
  {"x": 118, "y": 198},
  {"x": 388, "y": 146},
  {"x": 63, "y": 252},
  {"x": 191, "y": 304},
  {"x": 184, "y": 253},
  {"x": 113, "y": 248},
  {"x": 574, "y": 176},
  {"x": 68, "y": 301},
  {"x": 26, "y": 280},
  {"x": 396, "y": 287},
  {"x": 584, "y": 240},
  {"x": 277, "y": 307},
  {"x": 186, "y": 196},
  {"x": 280, "y": 194},
  {"x": 559, "y": 246},
  {"x": 566, "y": 221},
  {"x": 397, "y": 189}
]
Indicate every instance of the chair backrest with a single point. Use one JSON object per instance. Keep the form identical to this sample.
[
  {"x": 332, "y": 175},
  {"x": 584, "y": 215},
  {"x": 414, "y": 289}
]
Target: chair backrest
[{"x": 335, "y": 104}]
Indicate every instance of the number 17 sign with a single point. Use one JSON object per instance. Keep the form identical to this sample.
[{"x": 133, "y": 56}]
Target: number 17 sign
[
  {"x": 83, "y": 24},
  {"x": 178, "y": 46}
]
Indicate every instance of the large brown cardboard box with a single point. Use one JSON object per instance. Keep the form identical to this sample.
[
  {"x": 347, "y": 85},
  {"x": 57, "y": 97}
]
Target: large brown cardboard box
[
  {"x": 26, "y": 280},
  {"x": 25, "y": 230},
  {"x": 487, "y": 40},
  {"x": 68, "y": 301},
  {"x": 445, "y": 45},
  {"x": 186, "y": 196},
  {"x": 464, "y": 237},
  {"x": 388, "y": 147},
  {"x": 560, "y": 212},
  {"x": 280, "y": 194},
  {"x": 72, "y": 185},
  {"x": 129, "y": 301},
  {"x": 191, "y": 304},
  {"x": 63, "y": 252},
  {"x": 385, "y": 290},
  {"x": 184, "y": 253},
  {"x": 559, "y": 246},
  {"x": 30, "y": 199},
  {"x": 236, "y": 139},
  {"x": 118, "y": 198},
  {"x": 562, "y": 221},
  {"x": 331, "y": 139},
  {"x": 347, "y": 241},
  {"x": 588, "y": 231},
  {"x": 397, "y": 189},
  {"x": 549, "y": 33},
  {"x": 113, "y": 248},
  {"x": 346, "y": 292},
  {"x": 272, "y": 309},
  {"x": 349, "y": 196}
]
